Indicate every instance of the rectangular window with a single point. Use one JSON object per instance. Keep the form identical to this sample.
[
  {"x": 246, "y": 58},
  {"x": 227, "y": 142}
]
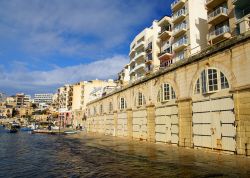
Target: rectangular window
[
  {"x": 140, "y": 99},
  {"x": 204, "y": 82},
  {"x": 212, "y": 80},
  {"x": 122, "y": 103},
  {"x": 166, "y": 92}
]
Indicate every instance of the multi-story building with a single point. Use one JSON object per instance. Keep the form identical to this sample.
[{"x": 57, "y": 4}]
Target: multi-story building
[
  {"x": 165, "y": 41},
  {"x": 43, "y": 98},
  {"x": 221, "y": 20},
  {"x": 2, "y": 97},
  {"x": 143, "y": 52},
  {"x": 242, "y": 15},
  {"x": 123, "y": 76},
  {"x": 72, "y": 100},
  {"x": 20, "y": 99},
  {"x": 27, "y": 100},
  {"x": 189, "y": 21}
]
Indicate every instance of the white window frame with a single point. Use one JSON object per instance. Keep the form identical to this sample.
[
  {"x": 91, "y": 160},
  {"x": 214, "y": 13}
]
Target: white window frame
[
  {"x": 122, "y": 104},
  {"x": 165, "y": 95},
  {"x": 205, "y": 87}
]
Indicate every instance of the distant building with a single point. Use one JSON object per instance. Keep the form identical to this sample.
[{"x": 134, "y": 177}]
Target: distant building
[
  {"x": 2, "y": 97},
  {"x": 43, "y": 98},
  {"x": 20, "y": 100}
]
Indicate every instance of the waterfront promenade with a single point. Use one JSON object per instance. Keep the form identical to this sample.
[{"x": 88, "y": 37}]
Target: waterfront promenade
[{"x": 28, "y": 155}]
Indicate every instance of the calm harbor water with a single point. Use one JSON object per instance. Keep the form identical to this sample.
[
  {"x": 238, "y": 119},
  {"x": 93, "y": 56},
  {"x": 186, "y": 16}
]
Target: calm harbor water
[{"x": 34, "y": 155}]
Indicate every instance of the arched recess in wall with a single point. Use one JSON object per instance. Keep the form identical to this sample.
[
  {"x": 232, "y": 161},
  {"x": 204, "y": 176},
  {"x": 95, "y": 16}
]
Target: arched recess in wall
[
  {"x": 218, "y": 66},
  {"x": 165, "y": 93},
  {"x": 139, "y": 98},
  {"x": 166, "y": 115},
  {"x": 159, "y": 84},
  {"x": 213, "y": 119}
]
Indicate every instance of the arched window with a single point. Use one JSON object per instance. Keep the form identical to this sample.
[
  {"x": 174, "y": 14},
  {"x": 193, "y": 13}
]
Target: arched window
[
  {"x": 123, "y": 104},
  {"x": 166, "y": 93},
  {"x": 210, "y": 81}
]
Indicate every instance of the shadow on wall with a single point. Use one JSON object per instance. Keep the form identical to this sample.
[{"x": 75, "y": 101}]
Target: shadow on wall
[{"x": 203, "y": 26}]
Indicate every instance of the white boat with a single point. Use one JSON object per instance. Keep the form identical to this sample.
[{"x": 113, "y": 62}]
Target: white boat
[{"x": 70, "y": 132}]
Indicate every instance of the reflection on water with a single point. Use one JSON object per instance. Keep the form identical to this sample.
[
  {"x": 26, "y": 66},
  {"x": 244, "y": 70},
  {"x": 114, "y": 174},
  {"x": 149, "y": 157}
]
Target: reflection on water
[{"x": 28, "y": 155}]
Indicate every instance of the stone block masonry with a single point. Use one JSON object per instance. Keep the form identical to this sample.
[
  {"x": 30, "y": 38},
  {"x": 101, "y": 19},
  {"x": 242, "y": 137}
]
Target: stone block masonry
[{"x": 200, "y": 102}]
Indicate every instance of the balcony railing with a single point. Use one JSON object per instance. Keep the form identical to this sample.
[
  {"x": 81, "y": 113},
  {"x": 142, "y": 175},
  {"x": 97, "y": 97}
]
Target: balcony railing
[
  {"x": 220, "y": 10},
  {"x": 137, "y": 67},
  {"x": 178, "y": 28},
  {"x": 218, "y": 32},
  {"x": 165, "y": 28},
  {"x": 178, "y": 14},
  {"x": 179, "y": 43},
  {"x": 176, "y": 2}
]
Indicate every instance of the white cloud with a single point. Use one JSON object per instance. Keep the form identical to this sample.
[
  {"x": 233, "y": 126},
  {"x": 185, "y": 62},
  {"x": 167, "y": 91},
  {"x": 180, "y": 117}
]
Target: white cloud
[
  {"x": 22, "y": 79},
  {"x": 45, "y": 26}
]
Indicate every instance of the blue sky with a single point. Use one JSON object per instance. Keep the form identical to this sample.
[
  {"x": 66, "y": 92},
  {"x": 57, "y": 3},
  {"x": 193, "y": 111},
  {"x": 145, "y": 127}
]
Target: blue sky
[{"x": 47, "y": 43}]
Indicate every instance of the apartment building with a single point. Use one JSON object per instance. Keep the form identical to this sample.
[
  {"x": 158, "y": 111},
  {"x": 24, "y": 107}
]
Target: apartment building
[
  {"x": 123, "y": 76},
  {"x": 242, "y": 15},
  {"x": 82, "y": 93},
  {"x": 20, "y": 99},
  {"x": 189, "y": 21},
  {"x": 143, "y": 53},
  {"x": 165, "y": 42},
  {"x": 221, "y": 20},
  {"x": 43, "y": 98}
]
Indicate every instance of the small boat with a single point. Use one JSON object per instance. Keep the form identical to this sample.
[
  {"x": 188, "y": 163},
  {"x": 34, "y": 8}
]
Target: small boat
[
  {"x": 70, "y": 132},
  {"x": 26, "y": 129},
  {"x": 12, "y": 129}
]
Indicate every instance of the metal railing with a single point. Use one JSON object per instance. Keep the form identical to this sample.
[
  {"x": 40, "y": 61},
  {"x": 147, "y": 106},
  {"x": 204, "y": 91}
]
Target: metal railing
[
  {"x": 180, "y": 27},
  {"x": 216, "y": 12},
  {"x": 174, "y": 3},
  {"x": 178, "y": 14},
  {"x": 165, "y": 28},
  {"x": 219, "y": 31},
  {"x": 180, "y": 42}
]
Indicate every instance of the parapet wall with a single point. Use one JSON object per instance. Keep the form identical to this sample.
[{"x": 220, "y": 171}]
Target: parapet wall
[{"x": 200, "y": 102}]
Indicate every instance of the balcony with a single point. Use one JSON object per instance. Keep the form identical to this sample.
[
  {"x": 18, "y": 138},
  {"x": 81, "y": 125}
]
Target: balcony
[
  {"x": 149, "y": 58},
  {"x": 218, "y": 16},
  {"x": 140, "y": 44},
  {"x": 138, "y": 56},
  {"x": 136, "y": 68},
  {"x": 149, "y": 47},
  {"x": 165, "y": 33},
  {"x": 165, "y": 55},
  {"x": 180, "y": 44},
  {"x": 177, "y": 4},
  {"x": 179, "y": 16},
  {"x": 219, "y": 34},
  {"x": 180, "y": 30},
  {"x": 214, "y": 3}
]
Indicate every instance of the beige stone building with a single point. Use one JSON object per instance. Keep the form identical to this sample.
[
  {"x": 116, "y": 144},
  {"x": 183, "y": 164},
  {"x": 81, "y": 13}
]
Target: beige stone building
[
  {"x": 165, "y": 42},
  {"x": 221, "y": 20},
  {"x": 200, "y": 102},
  {"x": 144, "y": 53},
  {"x": 84, "y": 92},
  {"x": 189, "y": 27}
]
